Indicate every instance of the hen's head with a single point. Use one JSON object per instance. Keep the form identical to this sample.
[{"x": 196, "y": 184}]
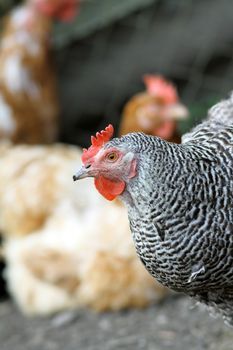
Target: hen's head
[
  {"x": 157, "y": 110},
  {"x": 110, "y": 164},
  {"x": 64, "y": 10}
]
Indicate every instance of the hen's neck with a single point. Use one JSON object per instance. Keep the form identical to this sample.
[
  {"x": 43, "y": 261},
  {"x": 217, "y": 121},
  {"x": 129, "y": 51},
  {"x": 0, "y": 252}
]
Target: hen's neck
[{"x": 169, "y": 179}]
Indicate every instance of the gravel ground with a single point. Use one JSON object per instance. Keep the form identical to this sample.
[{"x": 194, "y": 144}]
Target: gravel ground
[{"x": 174, "y": 324}]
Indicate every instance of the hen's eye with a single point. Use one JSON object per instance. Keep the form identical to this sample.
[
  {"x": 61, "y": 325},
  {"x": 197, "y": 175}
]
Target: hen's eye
[{"x": 112, "y": 157}]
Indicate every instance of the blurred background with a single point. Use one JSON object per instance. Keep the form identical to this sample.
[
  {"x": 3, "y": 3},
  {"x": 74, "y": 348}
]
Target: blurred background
[
  {"x": 102, "y": 55},
  {"x": 112, "y": 44},
  {"x": 68, "y": 69}
]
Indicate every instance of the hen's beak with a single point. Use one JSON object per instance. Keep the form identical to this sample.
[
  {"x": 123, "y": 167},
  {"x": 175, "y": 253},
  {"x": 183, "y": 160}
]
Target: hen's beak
[
  {"x": 83, "y": 172},
  {"x": 177, "y": 112}
]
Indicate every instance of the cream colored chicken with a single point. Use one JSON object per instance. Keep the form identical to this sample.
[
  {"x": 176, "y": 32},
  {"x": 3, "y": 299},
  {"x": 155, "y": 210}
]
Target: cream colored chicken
[
  {"x": 33, "y": 182},
  {"x": 65, "y": 247}
]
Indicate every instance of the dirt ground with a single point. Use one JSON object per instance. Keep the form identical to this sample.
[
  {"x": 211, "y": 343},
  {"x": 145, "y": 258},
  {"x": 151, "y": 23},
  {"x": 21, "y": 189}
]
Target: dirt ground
[{"x": 176, "y": 324}]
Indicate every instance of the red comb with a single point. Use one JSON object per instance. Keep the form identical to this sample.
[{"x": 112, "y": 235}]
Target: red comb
[
  {"x": 97, "y": 142},
  {"x": 158, "y": 87}
]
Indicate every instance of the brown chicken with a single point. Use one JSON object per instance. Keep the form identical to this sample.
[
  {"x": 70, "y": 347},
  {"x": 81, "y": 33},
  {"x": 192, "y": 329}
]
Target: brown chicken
[
  {"x": 28, "y": 94},
  {"x": 154, "y": 111}
]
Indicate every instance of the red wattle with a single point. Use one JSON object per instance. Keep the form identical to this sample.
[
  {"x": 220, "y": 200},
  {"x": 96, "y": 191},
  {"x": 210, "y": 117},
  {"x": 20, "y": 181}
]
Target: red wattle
[
  {"x": 166, "y": 130},
  {"x": 108, "y": 188}
]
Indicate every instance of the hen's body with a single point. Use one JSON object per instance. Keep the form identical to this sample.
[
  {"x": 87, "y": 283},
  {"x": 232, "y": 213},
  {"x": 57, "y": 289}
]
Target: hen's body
[{"x": 180, "y": 208}]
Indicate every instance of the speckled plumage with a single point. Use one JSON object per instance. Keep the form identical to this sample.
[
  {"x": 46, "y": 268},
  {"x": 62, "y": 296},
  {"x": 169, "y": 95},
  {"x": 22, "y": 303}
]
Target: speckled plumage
[{"x": 180, "y": 208}]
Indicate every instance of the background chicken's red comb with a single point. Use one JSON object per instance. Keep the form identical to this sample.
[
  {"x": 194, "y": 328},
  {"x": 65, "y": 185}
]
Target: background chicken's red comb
[
  {"x": 159, "y": 87},
  {"x": 97, "y": 142},
  {"x": 64, "y": 10}
]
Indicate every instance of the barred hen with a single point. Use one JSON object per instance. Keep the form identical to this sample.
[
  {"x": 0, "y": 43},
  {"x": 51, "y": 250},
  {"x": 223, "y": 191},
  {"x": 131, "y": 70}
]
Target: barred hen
[{"x": 180, "y": 203}]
